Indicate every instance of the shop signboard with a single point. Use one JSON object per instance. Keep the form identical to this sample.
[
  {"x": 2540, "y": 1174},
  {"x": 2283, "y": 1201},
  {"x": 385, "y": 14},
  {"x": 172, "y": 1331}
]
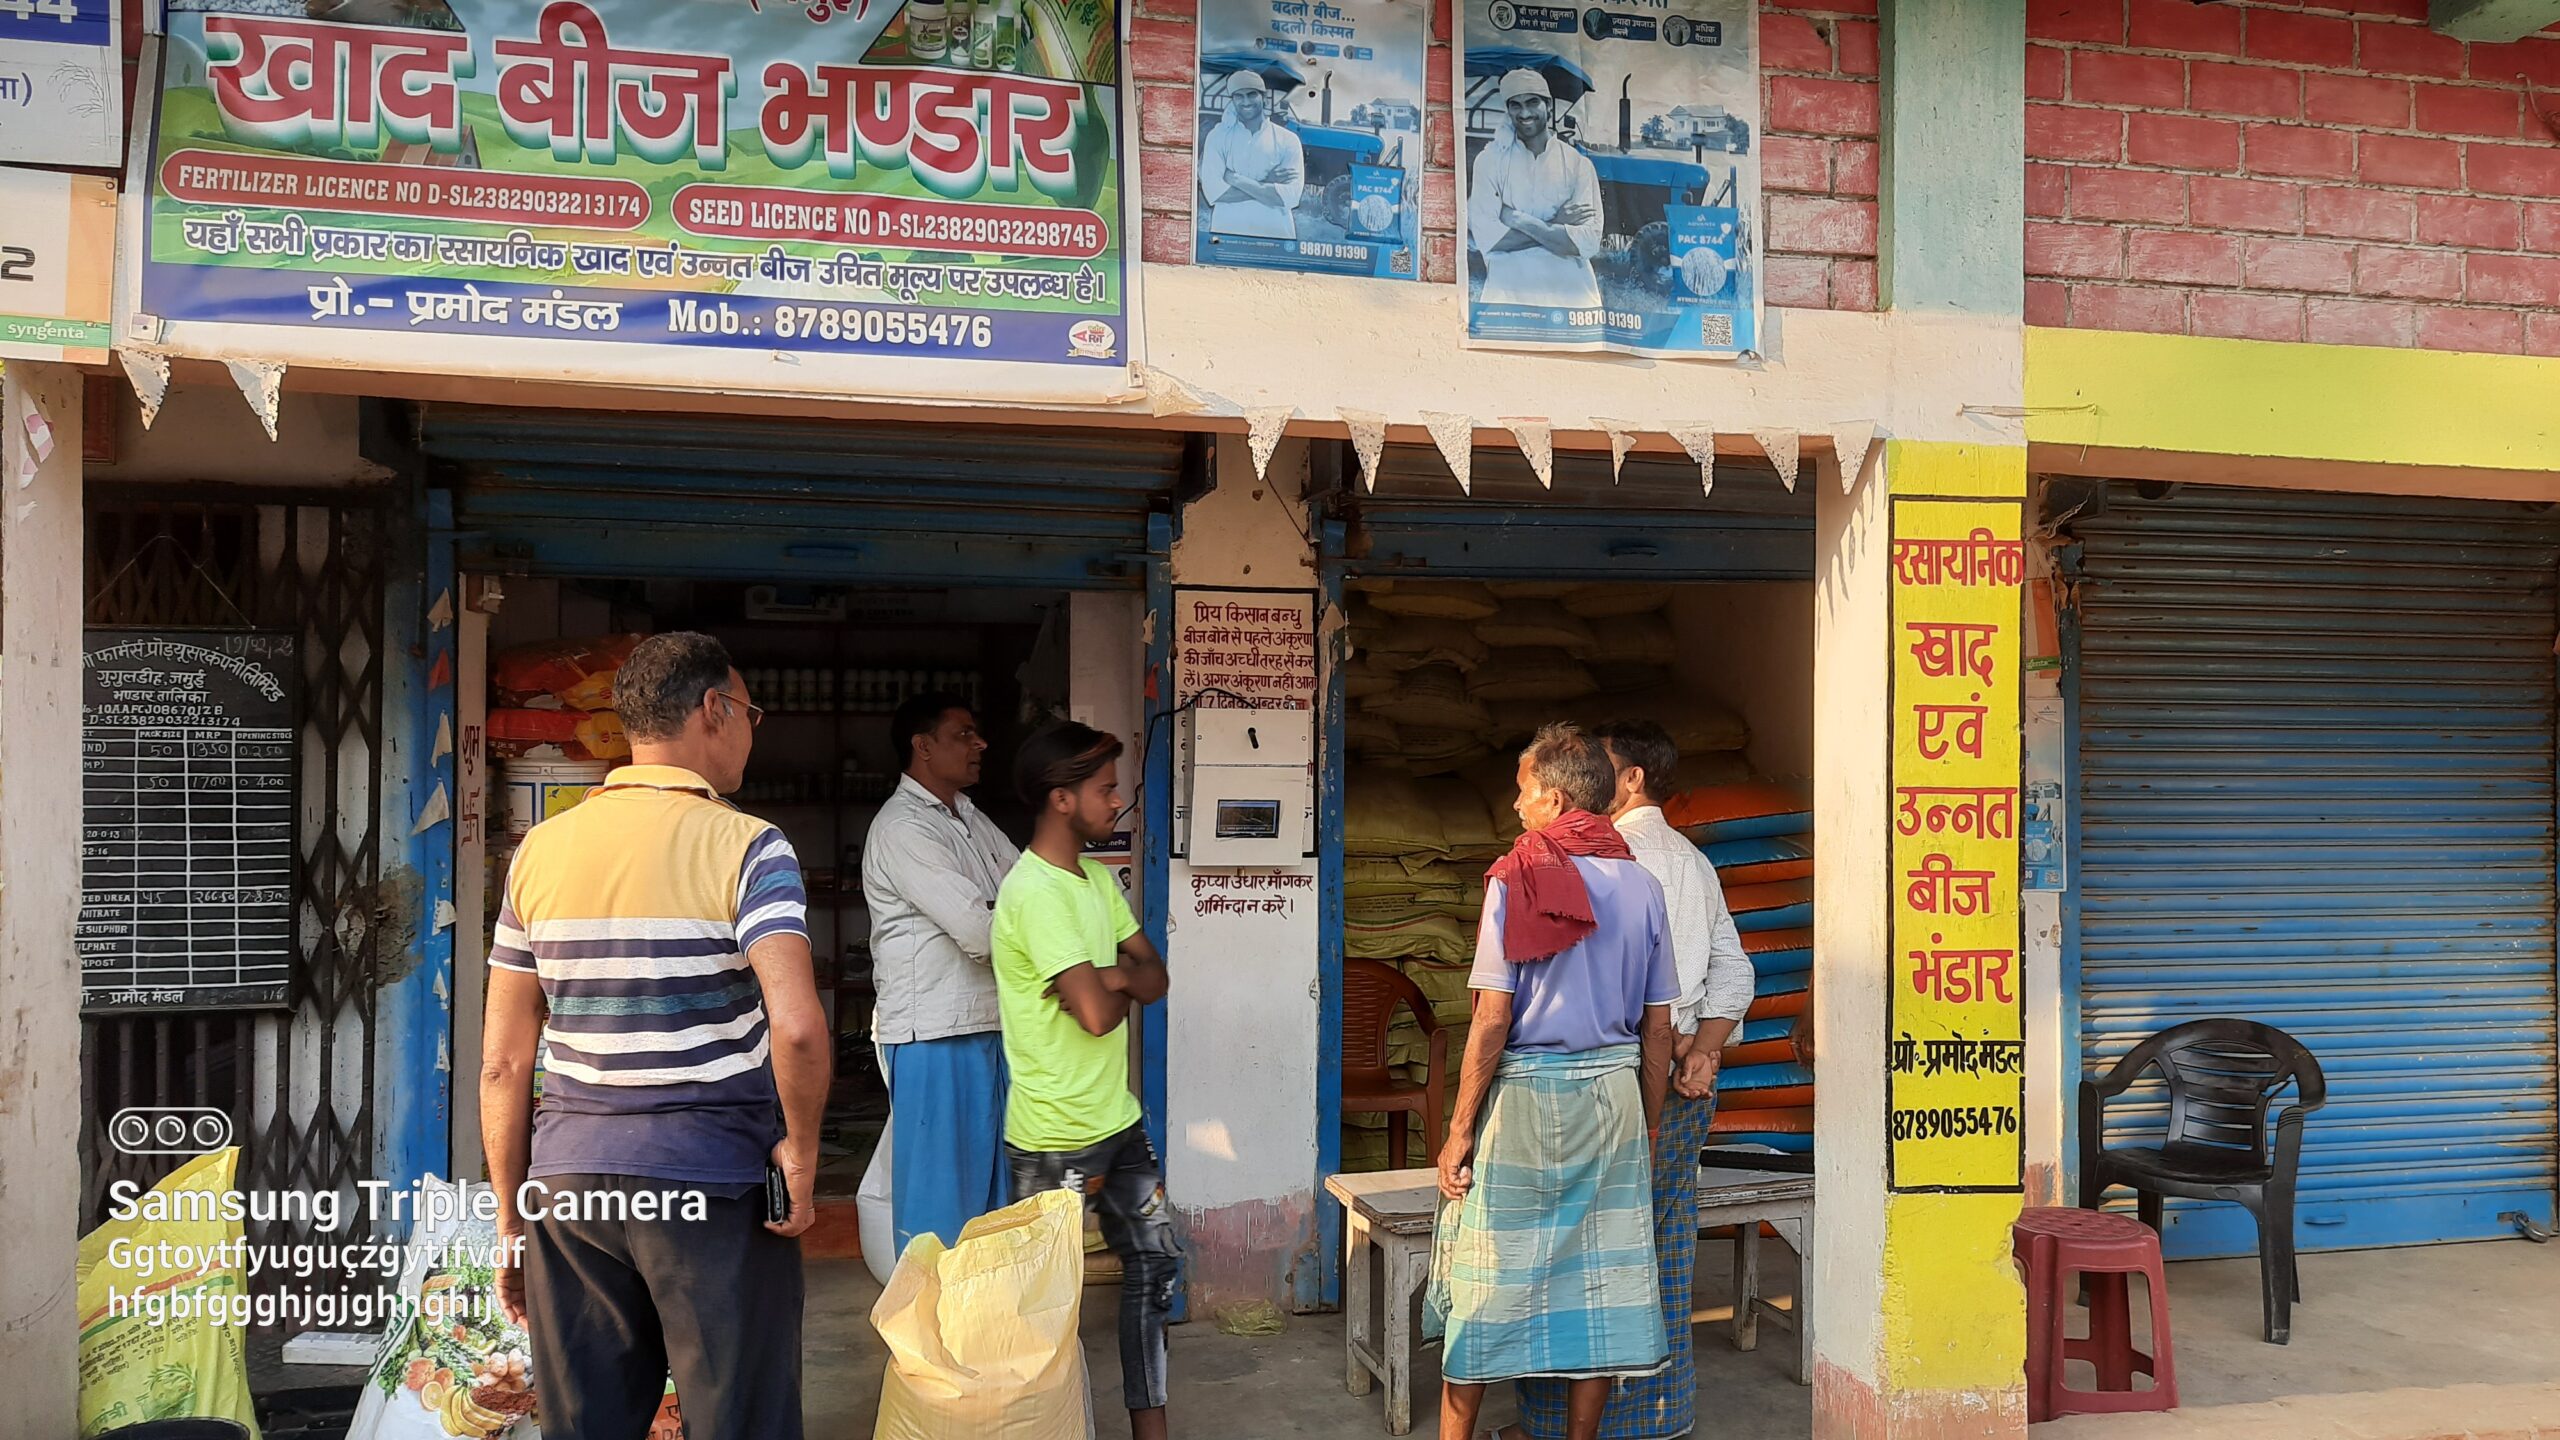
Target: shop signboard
[
  {"x": 1609, "y": 190},
  {"x": 1955, "y": 1018},
  {"x": 61, "y": 82},
  {"x": 1310, "y": 138},
  {"x": 836, "y": 196},
  {"x": 57, "y": 233}
]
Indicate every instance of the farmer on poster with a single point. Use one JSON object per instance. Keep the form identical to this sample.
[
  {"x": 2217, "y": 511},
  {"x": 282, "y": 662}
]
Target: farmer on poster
[
  {"x": 1611, "y": 179},
  {"x": 1310, "y": 136}
]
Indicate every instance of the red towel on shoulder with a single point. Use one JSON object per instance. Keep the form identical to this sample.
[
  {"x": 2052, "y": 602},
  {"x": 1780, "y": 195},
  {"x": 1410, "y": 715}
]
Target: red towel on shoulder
[{"x": 1547, "y": 908}]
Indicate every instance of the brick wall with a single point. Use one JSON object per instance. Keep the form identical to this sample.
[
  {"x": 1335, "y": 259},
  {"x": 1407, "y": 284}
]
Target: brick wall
[
  {"x": 2332, "y": 172},
  {"x": 1819, "y": 99}
]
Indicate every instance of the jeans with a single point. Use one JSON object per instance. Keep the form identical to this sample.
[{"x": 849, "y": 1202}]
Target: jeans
[{"x": 1121, "y": 1181}]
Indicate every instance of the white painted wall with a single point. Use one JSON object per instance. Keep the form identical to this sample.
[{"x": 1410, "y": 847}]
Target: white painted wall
[
  {"x": 1322, "y": 343},
  {"x": 1240, "y": 1048},
  {"x": 40, "y": 674},
  {"x": 1749, "y": 647}
]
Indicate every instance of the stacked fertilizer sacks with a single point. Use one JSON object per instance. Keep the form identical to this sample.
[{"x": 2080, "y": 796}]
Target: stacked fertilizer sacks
[
  {"x": 1760, "y": 839},
  {"x": 1448, "y": 679}
]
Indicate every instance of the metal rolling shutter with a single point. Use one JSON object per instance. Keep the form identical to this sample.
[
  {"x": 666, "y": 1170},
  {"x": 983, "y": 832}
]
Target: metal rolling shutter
[
  {"x": 2316, "y": 790},
  {"x": 650, "y": 494}
]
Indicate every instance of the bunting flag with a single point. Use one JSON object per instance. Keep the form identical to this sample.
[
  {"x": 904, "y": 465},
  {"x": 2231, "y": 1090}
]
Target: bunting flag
[
  {"x": 1780, "y": 446},
  {"x": 1264, "y": 424},
  {"x": 1849, "y": 444},
  {"x": 1456, "y": 437},
  {"x": 1700, "y": 442},
  {"x": 1368, "y": 440},
  {"x": 148, "y": 372},
  {"x": 1170, "y": 394},
  {"x": 1622, "y": 438},
  {"x": 1538, "y": 442},
  {"x": 258, "y": 381}
]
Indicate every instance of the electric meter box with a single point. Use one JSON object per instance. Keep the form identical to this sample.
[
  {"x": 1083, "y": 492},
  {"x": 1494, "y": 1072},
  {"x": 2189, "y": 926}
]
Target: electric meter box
[{"x": 1248, "y": 788}]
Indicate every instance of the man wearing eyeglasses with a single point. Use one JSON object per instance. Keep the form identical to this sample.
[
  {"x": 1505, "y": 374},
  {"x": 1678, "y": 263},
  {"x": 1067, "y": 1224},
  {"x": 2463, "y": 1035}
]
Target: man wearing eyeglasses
[
  {"x": 653, "y": 946},
  {"x": 931, "y": 867}
]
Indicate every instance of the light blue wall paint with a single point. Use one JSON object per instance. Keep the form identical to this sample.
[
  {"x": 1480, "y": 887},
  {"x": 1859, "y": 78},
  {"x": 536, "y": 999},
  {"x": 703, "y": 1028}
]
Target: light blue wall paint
[{"x": 1954, "y": 179}]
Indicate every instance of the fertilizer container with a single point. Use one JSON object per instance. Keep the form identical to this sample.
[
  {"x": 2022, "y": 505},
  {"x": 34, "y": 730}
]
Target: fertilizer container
[{"x": 536, "y": 790}]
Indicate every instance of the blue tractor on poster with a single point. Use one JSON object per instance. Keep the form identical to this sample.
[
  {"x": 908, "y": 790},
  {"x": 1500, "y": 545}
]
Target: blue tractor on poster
[
  {"x": 1358, "y": 181},
  {"x": 1672, "y": 220}
]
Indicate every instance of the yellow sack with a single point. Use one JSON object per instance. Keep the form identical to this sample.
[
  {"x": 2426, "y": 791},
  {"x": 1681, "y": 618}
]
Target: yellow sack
[
  {"x": 191, "y": 1364},
  {"x": 982, "y": 1336}
]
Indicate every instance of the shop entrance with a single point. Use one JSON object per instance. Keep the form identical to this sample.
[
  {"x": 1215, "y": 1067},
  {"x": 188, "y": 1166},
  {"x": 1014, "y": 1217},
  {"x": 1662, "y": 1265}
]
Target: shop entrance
[
  {"x": 1473, "y": 620},
  {"x": 846, "y": 568}
]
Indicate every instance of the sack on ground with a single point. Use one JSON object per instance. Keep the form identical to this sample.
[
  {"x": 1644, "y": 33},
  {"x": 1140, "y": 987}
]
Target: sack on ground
[
  {"x": 1425, "y": 937},
  {"x": 1531, "y": 674},
  {"x": 1436, "y": 599},
  {"x": 191, "y": 1365},
  {"x": 451, "y": 1367},
  {"x": 1632, "y": 640},
  {"x": 1385, "y": 814},
  {"x": 1696, "y": 724},
  {"x": 1432, "y": 697},
  {"x": 1398, "y": 643},
  {"x": 1439, "y": 752},
  {"x": 1464, "y": 825},
  {"x": 1525, "y": 623},
  {"x": 982, "y": 1336}
]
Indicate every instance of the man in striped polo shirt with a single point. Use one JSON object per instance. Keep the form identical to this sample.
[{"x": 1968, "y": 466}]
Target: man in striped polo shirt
[{"x": 684, "y": 1053}]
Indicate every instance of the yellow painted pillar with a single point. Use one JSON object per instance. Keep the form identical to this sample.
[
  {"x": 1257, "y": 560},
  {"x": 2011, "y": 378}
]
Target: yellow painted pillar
[{"x": 1919, "y": 1319}]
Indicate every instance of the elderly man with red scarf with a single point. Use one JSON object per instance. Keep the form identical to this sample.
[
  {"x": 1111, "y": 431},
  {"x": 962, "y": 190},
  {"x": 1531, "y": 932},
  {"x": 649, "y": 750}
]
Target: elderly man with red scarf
[{"x": 1543, "y": 1264}]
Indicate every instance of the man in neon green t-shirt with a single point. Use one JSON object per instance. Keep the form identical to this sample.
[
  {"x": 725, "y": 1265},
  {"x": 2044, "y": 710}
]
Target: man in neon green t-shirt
[{"x": 1070, "y": 965}]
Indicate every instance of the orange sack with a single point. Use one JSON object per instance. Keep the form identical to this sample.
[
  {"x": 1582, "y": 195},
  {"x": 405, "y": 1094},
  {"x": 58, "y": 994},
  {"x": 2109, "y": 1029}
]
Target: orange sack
[{"x": 577, "y": 673}]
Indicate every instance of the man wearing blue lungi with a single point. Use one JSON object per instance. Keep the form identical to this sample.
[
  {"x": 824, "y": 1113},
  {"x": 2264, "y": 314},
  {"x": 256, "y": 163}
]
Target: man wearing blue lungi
[
  {"x": 930, "y": 870},
  {"x": 1544, "y": 1264},
  {"x": 1715, "y": 994}
]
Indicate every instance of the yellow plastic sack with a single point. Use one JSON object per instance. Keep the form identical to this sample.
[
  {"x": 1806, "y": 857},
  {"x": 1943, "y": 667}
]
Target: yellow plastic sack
[
  {"x": 191, "y": 1364},
  {"x": 982, "y": 1336}
]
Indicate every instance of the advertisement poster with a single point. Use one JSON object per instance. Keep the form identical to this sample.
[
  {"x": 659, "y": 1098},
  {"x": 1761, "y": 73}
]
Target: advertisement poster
[
  {"x": 61, "y": 82},
  {"x": 57, "y": 234},
  {"x": 1309, "y": 152},
  {"x": 1609, "y": 190},
  {"x": 830, "y": 195}
]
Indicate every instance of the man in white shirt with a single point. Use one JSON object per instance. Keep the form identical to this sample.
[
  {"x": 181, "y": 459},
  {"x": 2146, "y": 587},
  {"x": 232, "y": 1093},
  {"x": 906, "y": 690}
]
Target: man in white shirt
[
  {"x": 930, "y": 870},
  {"x": 1533, "y": 206},
  {"x": 1252, "y": 170}
]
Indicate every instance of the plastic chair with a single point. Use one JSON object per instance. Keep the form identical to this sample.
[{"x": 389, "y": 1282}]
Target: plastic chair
[
  {"x": 2053, "y": 1243},
  {"x": 1371, "y": 991},
  {"x": 2222, "y": 1074}
]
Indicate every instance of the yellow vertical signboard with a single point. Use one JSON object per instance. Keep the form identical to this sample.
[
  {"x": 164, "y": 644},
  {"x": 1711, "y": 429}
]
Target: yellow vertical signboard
[{"x": 1955, "y": 1026}]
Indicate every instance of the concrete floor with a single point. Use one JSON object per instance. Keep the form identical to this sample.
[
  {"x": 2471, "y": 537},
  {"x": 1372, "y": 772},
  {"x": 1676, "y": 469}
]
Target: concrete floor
[
  {"x": 2371, "y": 1320},
  {"x": 1290, "y": 1384}
]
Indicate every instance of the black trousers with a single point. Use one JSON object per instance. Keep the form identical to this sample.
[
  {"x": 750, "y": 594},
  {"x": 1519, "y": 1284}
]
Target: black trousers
[
  {"x": 1122, "y": 1183},
  {"x": 613, "y": 1306}
]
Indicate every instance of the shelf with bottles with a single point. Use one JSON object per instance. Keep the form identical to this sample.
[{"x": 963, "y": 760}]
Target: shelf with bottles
[
  {"x": 852, "y": 690},
  {"x": 855, "y": 784}
]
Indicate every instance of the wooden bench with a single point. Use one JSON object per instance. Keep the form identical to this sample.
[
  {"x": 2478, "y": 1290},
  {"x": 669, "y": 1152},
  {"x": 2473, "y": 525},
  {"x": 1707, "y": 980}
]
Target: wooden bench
[{"x": 1387, "y": 1222}]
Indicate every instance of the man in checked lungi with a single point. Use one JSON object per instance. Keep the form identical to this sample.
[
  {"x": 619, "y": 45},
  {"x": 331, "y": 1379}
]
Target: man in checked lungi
[
  {"x": 1544, "y": 1263},
  {"x": 1715, "y": 994}
]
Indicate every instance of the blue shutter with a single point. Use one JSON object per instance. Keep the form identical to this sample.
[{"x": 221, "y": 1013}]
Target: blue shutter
[
  {"x": 2316, "y": 787},
  {"x": 568, "y": 492}
]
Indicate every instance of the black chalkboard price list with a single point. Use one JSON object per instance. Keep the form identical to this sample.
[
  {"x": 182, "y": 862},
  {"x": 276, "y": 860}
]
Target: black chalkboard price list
[{"x": 189, "y": 801}]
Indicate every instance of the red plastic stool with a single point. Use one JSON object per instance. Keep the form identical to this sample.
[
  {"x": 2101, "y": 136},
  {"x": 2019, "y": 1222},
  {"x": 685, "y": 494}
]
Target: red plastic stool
[{"x": 2053, "y": 1243}]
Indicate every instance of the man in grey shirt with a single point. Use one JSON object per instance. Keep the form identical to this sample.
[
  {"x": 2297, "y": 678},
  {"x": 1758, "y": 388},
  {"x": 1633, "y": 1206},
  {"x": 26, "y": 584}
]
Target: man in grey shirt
[{"x": 930, "y": 871}]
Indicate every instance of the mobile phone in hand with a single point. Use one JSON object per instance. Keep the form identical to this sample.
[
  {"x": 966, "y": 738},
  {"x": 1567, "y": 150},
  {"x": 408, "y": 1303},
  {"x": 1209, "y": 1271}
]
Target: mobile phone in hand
[{"x": 777, "y": 1195}]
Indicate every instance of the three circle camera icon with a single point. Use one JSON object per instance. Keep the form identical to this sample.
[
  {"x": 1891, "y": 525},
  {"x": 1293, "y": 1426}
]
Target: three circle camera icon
[{"x": 169, "y": 1130}]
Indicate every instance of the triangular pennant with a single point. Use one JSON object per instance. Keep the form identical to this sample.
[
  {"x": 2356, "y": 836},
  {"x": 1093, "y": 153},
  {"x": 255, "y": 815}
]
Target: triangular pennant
[
  {"x": 258, "y": 381},
  {"x": 1700, "y": 442},
  {"x": 148, "y": 372},
  {"x": 1622, "y": 438},
  {"x": 1456, "y": 437},
  {"x": 444, "y": 739},
  {"x": 1780, "y": 446},
  {"x": 1263, "y": 426},
  {"x": 1169, "y": 394},
  {"x": 1537, "y": 441},
  {"x": 1368, "y": 440},
  {"x": 437, "y": 810},
  {"x": 1849, "y": 444}
]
